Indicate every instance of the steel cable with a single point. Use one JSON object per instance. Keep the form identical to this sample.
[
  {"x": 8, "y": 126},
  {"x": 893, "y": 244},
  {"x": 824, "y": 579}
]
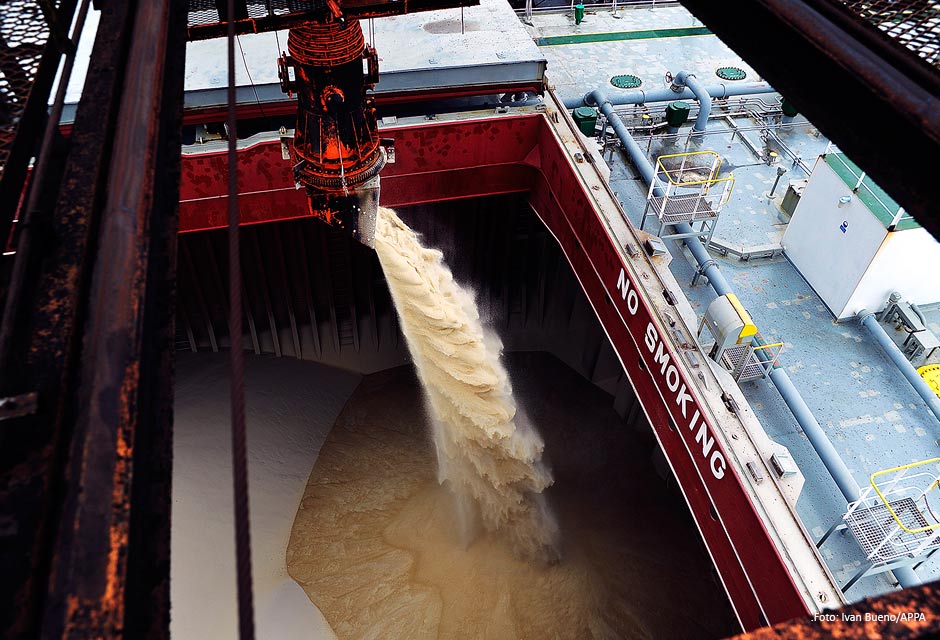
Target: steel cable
[{"x": 246, "y": 623}]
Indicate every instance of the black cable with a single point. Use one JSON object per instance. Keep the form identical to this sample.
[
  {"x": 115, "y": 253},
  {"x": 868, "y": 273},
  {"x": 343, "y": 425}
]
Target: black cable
[
  {"x": 250, "y": 81},
  {"x": 246, "y": 622}
]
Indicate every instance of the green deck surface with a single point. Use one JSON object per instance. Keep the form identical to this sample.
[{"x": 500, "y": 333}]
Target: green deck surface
[
  {"x": 649, "y": 34},
  {"x": 883, "y": 206}
]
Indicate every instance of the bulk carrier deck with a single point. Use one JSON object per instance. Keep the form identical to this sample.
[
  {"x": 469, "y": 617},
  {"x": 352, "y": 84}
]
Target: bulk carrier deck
[
  {"x": 740, "y": 349},
  {"x": 866, "y": 409}
]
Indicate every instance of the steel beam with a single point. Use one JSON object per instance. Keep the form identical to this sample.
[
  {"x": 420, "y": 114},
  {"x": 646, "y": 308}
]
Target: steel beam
[
  {"x": 308, "y": 292},
  {"x": 200, "y": 295},
  {"x": 269, "y": 310},
  {"x": 288, "y": 292},
  {"x": 24, "y": 120},
  {"x": 276, "y": 20},
  {"x": 252, "y": 328},
  {"x": 110, "y": 568},
  {"x": 44, "y": 339}
]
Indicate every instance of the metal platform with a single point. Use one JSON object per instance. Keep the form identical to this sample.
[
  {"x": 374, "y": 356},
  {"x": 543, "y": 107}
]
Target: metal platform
[
  {"x": 744, "y": 364},
  {"x": 676, "y": 210},
  {"x": 893, "y": 535},
  {"x": 688, "y": 189},
  {"x": 871, "y": 526}
]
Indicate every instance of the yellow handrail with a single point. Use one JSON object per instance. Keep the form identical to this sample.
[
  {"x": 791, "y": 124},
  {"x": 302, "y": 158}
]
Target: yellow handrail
[
  {"x": 768, "y": 346},
  {"x": 904, "y": 467},
  {"x": 772, "y": 359},
  {"x": 697, "y": 182},
  {"x": 713, "y": 170}
]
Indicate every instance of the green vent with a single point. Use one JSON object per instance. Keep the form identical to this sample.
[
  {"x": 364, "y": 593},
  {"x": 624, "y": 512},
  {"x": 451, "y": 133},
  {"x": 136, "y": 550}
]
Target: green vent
[
  {"x": 626, "y": 81},
  {"x": 788, "y": 109},
  {"x": 586, "y": 119},
  {"x": 731, "y": 73},
  {"x": 677, "y": 113}
]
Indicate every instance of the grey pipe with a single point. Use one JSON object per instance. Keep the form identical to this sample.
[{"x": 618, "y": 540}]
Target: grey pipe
[
  {"x": 743, "y": 138},
  {"x": 817, "y": 437},
  {"x": 868, "y": 320},
  {"x": 778, "y": 376},
  {"x": 641, "y": 96},
  {"x": 709, "y": 268},
  {"x": 686, "y": 79}
]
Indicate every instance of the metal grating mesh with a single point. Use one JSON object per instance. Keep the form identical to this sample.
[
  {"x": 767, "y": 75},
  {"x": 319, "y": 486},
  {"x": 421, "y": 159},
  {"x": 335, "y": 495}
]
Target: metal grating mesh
[
  {"x": 872, "y": 525},
  {"x": 23, "y": 37},
  {"x": 682, "y": 209},
  {"x": 205, "y": 12},
  {"x": 913, "y": 23},
  {"x": 732, "y": 357},
  {"x": 752, "y": 370}
]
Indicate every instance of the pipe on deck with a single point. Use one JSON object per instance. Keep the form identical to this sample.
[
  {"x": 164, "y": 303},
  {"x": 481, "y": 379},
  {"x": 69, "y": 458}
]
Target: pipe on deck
[
  {"x": 778, "y": 376},
  {"x": 641, "y": 96},
  {"x": 870, "y": 322},
  {"x": 686, "y": 79}
]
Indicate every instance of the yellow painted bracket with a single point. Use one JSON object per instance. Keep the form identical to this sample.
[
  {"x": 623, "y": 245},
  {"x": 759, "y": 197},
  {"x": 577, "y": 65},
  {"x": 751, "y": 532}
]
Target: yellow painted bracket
[
  {"x": 749, "y": 329},
  {"x": 885, "y": 500}
]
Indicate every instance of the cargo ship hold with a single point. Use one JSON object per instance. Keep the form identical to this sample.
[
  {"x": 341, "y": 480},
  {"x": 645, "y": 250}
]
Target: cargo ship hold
[{"x": 708, "y": 250}]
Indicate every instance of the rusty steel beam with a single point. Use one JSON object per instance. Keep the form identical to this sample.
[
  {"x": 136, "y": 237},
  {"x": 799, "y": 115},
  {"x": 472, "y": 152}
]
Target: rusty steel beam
[
  {"x": 110, "y": 571},
  {"x": 45, "y": 338},
  {"x": 899, "y": 615},
  {"x": 78, "y": 560}
]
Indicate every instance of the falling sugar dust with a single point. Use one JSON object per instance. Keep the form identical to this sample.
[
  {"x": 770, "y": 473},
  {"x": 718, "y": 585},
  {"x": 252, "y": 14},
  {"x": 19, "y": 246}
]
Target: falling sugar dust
[{"x": 487, "y": 452}]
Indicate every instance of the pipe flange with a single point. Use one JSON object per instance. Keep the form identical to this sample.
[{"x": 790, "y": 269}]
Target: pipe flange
[{"x": 705, "y": 266}]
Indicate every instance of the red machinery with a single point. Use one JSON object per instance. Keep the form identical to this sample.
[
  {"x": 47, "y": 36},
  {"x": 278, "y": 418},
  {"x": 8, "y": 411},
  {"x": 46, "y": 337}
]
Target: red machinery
[{"x": 337, "y": 152}]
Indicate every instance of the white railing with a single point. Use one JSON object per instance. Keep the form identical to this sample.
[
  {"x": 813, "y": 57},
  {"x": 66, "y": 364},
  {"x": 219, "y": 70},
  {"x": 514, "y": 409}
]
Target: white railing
[{"x": 613, "y": 5}]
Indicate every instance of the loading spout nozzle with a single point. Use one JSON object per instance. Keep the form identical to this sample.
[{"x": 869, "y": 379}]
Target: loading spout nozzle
[{"x": 354, "y": 211}]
